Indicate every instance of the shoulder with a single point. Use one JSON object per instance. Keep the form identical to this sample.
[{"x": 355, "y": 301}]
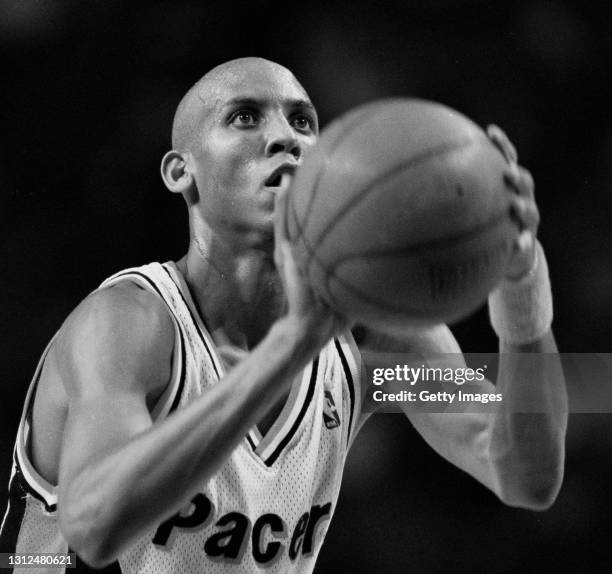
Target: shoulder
[
  {"x": 119, "y": 335},
  {"x": 120, "y": 304}
]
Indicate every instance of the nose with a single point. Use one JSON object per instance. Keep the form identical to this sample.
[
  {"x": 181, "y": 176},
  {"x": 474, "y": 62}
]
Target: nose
[{"x": 281, "y": 138}]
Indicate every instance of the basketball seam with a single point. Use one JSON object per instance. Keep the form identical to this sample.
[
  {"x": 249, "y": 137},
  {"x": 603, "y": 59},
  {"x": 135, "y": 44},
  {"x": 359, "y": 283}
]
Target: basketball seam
[
  {"x": 331, "y": 273},
  {"x": 380, "y": 303},
  {"x": 432, "y": 244},
  {"x": 332, "y": 146},
  {"x": 404, "y": 165}
]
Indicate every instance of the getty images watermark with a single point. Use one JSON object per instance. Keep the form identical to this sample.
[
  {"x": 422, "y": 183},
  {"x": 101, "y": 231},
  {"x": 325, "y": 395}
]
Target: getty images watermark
[
  {"x": 412, "y": 376},
  {"x": 472, "y": 382}
]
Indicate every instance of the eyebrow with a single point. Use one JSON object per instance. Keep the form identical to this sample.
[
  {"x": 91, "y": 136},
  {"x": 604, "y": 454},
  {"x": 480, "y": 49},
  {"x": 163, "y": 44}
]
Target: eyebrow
[{"x": 249, "y": 101}]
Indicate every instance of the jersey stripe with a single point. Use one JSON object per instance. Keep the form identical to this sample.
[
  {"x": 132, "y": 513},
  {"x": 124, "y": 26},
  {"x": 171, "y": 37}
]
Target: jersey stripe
[
  {"x": 253, "y": 437},
  {"x": 29, "y": 488},
  {"x": 311, "y": 387},
  {"x": 177, "y": 396},
  {"x": 250, "y": 441},
  {"x": 181, "y": 385},
  {"x": 14, "y": 514},
  {"x": 351, "y": 387},
  {"x": 27, "y": 476},
  {"x": 195, "y": 322},
  {"x": 142, "y": 276},
  {"x": 267, "y": 444}
]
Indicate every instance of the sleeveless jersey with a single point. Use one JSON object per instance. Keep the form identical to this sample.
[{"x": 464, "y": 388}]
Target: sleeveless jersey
[{"x": 269, "y": 505}]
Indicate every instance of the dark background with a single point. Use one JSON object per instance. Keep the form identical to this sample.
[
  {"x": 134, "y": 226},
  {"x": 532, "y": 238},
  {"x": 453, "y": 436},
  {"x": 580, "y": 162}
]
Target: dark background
[{"x": 88, "y": 92}]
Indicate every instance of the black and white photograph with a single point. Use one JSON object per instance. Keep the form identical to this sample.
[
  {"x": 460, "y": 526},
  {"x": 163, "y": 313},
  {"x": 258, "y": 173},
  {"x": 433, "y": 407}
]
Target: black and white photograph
[{"x": 314, "y": 287}]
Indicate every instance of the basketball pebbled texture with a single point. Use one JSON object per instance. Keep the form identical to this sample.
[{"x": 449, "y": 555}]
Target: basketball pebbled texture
[{"x": 401, "y": 214}]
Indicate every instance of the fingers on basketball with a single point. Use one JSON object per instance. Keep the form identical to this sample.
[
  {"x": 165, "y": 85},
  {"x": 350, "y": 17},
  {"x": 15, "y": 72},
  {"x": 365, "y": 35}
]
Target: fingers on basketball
[
  {"x": 525, "y": 212},
  {"x": 503, "y": 143}
]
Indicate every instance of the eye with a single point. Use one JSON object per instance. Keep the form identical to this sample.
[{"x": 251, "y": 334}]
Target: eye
[
  {"x": 244, "y": 118},
  {"x": 302, "y": 122}
]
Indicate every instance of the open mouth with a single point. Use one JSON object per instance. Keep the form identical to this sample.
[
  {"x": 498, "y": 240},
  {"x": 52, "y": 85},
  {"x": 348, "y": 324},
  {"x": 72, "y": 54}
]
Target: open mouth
[
  {"x": 274, "y": 180},
  {"x": 280, "y": 176}
]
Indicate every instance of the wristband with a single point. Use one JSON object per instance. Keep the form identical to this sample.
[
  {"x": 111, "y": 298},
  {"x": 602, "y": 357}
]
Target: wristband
[{"x": 522, "y": 311}]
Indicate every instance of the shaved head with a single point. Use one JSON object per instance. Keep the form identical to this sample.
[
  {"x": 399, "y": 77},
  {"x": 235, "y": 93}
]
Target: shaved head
[
  {"x": 238, "y": 136},
  {"x": 202, "y": 96}
]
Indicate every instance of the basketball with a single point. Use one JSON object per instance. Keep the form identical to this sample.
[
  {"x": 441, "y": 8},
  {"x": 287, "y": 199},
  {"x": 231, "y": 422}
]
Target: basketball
[{"x": 400, "y": 215}]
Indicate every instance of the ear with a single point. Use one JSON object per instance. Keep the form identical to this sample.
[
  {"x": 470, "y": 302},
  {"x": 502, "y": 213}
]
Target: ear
[{"x": 175, "y": 173}]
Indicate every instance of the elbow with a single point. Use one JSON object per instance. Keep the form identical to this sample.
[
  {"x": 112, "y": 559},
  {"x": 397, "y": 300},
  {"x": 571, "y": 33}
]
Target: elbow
[
  {"x": 87, "y": 538},
  {"x": 538, "y": 500},
  {"x": 93, "y": 558},
  {"x": 536, "y": 493},
  {"x": 531, "y": 477},
  {"x": 94, "y": 550}
]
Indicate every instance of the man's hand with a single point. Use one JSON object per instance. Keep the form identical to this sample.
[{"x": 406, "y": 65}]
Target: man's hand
[
  {"x": 303, "y": 303},
  {"x": 524, "y": 209}
]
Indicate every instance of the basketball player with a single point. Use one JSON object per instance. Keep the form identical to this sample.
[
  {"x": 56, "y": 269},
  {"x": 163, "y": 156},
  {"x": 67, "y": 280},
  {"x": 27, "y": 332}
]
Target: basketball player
[{"x": 196, "y": 416}]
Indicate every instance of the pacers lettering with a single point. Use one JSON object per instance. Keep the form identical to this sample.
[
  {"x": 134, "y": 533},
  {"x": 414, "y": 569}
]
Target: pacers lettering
[
  {"x": 296, "y": 539},
  {"x": 316, "y": 514},
  {"x": 196, "y": 519},
  {"x": 273, "y": 549},
  {"x": 228, "y": 544}
]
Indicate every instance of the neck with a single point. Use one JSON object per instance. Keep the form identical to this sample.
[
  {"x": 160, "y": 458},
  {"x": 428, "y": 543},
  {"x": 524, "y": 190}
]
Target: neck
[{"x": 237, "y": 291}]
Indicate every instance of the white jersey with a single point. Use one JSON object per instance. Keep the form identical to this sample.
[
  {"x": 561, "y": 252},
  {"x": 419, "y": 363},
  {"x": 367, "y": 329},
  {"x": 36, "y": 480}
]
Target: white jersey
[{"x": 270, "y": 504}]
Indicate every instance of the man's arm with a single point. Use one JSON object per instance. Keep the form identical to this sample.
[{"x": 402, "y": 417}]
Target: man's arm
[
  {"x": 519, "y": 456},
  {"x": 119, "y": 474}
]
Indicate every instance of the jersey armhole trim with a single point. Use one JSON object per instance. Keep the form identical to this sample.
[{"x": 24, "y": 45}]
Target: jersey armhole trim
[
  {"x": 198, "y": 322},
  {"x": 351, "y": 362},
  {"x": 25, "y": 473},
  {"x": 270, "y": 459},
  {"x": 170, "y": 398}
]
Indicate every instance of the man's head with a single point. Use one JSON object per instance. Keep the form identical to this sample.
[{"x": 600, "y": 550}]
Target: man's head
[{"x": 238, "y": 135}]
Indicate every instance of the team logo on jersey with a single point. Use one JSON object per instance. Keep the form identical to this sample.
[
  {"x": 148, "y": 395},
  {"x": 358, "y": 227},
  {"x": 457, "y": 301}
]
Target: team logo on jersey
[
  {"x": 330, "y": 414},
  {"x": 269, "y": 535}
]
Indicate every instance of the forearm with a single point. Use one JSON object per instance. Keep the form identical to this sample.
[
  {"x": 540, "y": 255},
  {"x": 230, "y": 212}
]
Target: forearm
[
  {"x": 113, "y": 500},
  {"x": 527, "y": 434}
]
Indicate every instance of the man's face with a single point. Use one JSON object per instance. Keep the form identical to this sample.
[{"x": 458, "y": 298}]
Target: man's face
[{"x": 257, "y": 123}]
